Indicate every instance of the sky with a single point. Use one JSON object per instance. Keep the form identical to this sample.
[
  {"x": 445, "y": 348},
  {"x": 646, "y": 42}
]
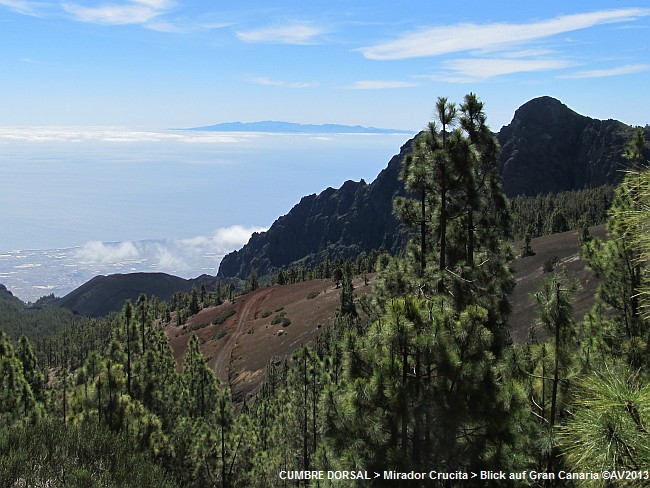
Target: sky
[
  {"x": 168, "y": 63},
  {"x": 91, "y": 93}
]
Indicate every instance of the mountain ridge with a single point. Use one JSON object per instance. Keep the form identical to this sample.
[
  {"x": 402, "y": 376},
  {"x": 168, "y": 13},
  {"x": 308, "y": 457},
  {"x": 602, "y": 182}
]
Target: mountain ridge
[
  {"x": 547, "y": 148},
  {"x": 275, "y": 126},
  {"x": 104, "y": 294}
]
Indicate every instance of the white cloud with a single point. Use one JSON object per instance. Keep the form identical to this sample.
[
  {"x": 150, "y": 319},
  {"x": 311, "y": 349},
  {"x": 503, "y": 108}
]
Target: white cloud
[
  {"x": 527, "y": 53},
  {"x": 167, "y": 27},
  {"x": 223, "y": 240},
  {"x": 601, "y": 73},
  {"x": 169, "y": 261},
  {"x": 100, "y": 253},
  {"x": 435, "y": 41},
  {"x": 133, "y": 12},
  {"x": 171, "y": 256},
  {"x": 380, "y": 84},
  {"x": 298, "y": 33},
  {"x": 22, "y": 6},
  {"x": 63, "y": 134},
  {"x": 470, "y": 69},
  {"x": 261, "y": 80}
]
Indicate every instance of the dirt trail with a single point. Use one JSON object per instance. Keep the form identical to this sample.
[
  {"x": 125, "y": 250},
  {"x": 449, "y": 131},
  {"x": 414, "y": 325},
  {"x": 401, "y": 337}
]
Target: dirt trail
[{"x": 246, "y": 314}]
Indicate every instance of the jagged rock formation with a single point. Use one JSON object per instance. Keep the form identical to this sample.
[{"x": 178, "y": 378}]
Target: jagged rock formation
[
  {"x": 547, "y": 148},
  {"x": 340, "y": 223}
]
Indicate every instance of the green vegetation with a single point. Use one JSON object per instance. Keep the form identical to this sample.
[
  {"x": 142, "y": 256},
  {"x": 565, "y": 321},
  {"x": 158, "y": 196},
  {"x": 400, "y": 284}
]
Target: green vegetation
[
  {"x": 49, "y": 453},
  {"x": 281, "y": 318},
  {"x": 548, "y": 214},
  {"x": 223, "y": 316},
  {"x": 428, "y": 380}
]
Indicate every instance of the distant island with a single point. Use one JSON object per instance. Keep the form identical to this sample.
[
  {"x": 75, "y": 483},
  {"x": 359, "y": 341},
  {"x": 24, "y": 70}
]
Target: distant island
[{"x": 293, "y": 128}]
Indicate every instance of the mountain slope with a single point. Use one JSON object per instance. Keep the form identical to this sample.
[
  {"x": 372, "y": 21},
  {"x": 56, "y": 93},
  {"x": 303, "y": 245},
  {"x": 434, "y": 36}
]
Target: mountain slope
[
  {"x": 105, "y": 294},
  {"x": 240, "y": 349},
  {"x": 547, "y": 148}
]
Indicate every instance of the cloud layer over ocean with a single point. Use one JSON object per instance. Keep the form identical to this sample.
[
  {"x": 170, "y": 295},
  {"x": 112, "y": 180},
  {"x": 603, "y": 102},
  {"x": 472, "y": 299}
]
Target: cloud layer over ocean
[{"x": 30, "y": 274}]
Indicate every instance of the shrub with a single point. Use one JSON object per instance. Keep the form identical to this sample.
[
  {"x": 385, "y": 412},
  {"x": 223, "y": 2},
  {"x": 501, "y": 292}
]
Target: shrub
[
  {"x": 195, "y": 327},
  {"x": 223, "y": 316},
  {"x": 281, "y": 319}
]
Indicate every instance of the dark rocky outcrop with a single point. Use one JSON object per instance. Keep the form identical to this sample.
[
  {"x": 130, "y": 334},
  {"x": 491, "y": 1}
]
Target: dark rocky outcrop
[
  {"x": 339, "y": 223},
  {"x": 548, "y": 148}
]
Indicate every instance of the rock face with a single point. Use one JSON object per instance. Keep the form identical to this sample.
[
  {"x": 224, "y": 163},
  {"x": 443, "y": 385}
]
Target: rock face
[
  {"x": 342, "y": 223},
  {"x": 547, "y": 148}
]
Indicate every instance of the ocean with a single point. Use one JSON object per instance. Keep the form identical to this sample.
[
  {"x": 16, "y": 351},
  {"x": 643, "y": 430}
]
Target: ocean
[{"x": 80, "y": 201}]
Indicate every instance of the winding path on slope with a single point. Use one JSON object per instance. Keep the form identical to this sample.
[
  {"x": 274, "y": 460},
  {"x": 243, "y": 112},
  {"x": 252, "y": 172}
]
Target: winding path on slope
[{"x": 245, "y": 315}]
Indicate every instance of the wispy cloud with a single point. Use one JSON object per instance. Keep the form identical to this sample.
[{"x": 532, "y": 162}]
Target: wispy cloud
[
  {"x": 167, "y": 27},
  {"x": 602, "y": 73},
  {"x": 295, "y": 33},
  {"x": 132, "y": 12},
  {"x": 22, "y": 6},
  {"x": 380, "y": 84},
  {"x": 471, "y": 69},
  {"x": 435, "y": 41},
  {"x": 261, "y": 80},
  {"x": 116, "y": 135}
]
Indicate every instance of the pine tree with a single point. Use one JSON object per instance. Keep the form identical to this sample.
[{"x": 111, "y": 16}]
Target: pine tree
[
  {"x": 194, "y": 302},
  {"x": 130, "y": 335},
  {"x": 142, "y": 307},
  {"x": 347, "y": 308},
  {"x": 609, "y": 428},
  {"x": 201, "y": 386},
  {"x": 157, "y": 383},
  {"x": 462, "y": 215},
  {"x": 31, "y": 370},
  {"x": 619, "y": 264},
  {"x": 17, "y": 401}
]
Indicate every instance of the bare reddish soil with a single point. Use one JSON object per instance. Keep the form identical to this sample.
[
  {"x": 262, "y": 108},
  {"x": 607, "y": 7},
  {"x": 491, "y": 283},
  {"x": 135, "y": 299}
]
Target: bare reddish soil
[
  {"x": 529, "y": 273},
  {"x": 239, "y": 349}
]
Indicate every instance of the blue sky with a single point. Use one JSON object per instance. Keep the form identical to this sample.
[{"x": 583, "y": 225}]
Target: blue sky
[{"x": 166, "y": 63}]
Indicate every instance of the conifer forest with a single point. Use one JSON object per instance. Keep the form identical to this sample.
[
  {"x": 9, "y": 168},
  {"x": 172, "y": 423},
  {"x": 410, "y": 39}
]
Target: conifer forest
[{"x": 420, "y": 375}]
